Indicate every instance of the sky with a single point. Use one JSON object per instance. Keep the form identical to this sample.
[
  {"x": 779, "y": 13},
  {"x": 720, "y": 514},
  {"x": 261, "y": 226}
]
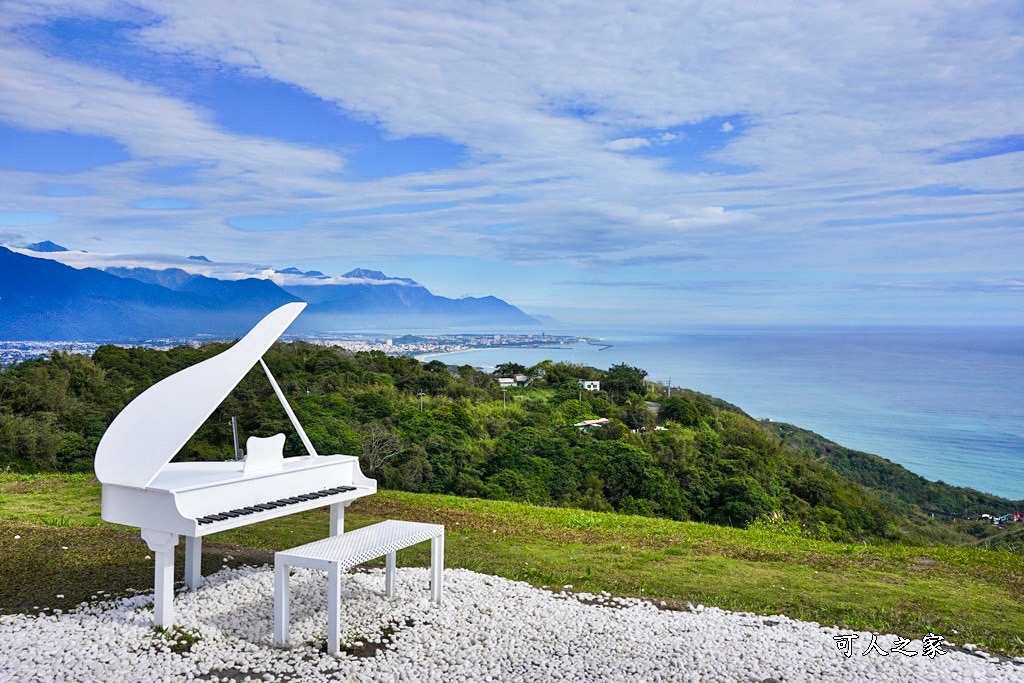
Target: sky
[{"x": 656, "y": 164}]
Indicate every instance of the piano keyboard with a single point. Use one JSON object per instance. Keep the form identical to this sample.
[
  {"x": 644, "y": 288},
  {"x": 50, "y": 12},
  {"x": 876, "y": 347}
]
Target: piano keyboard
[{"x": 270, "y": 505}]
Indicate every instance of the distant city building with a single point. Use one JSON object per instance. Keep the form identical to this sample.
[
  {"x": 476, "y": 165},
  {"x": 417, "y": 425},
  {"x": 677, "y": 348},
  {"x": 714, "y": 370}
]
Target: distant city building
[{"x": 590, "y": 384}]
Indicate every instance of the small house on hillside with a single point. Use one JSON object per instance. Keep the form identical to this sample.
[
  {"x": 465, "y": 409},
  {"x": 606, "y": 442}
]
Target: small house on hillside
[
  {"x": 590, "y": 425},
  {"x": 504, "y": 382},
  {"x": 590, "y": 384}
]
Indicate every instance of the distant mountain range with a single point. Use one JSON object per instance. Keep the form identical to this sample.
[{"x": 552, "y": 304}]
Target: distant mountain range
[{"x": 43, "y": 299}]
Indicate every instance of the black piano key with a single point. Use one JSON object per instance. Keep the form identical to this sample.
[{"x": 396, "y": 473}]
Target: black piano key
[{"x": 273, "y": 504}]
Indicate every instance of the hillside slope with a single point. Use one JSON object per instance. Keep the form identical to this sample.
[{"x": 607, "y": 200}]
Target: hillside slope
[{"x": 900, "y": 488}]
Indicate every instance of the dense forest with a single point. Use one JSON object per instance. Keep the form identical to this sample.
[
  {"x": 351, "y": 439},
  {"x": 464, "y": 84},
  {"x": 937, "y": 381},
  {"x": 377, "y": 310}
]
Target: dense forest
[{"x": 432, "y": 427}]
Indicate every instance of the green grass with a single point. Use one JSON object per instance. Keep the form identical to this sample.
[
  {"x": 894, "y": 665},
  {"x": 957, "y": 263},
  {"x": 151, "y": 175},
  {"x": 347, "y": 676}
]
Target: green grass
[{"x": 966, "y": 594}]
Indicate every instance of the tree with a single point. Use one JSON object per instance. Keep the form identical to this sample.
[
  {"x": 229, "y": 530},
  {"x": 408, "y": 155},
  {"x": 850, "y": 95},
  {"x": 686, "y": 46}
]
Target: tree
[
  {"x": 380, "y": 444},
  {"x": 622, "y": 380},
  {"x": 509, "y": 369},
  {"x": 372, "y": 405},
  {"x": 741, "y": 500},
  {"x": 688, "y": 411},
  {"x": 636, "y": 413}
]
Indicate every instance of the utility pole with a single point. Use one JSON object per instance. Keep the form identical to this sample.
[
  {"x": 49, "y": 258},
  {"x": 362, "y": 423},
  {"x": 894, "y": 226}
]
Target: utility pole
[
  {"x": 421, "y": 395},
  {"x": 503, "y": 392}
]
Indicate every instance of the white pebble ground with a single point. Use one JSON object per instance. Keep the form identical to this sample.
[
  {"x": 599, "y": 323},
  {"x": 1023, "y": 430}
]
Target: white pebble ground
[{"x": 487, "y": 629}]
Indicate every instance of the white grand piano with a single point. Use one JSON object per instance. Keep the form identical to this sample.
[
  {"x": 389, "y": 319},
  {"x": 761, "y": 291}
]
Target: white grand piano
[{"x": 143, "y": 488}]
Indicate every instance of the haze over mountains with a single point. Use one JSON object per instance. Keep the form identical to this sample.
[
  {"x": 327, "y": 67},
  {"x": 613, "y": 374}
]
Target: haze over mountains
[{"x": 44, "y": 299}]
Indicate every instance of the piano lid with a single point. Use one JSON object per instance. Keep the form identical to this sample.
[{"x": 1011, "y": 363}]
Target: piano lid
[{"x": 153, "y": 428}]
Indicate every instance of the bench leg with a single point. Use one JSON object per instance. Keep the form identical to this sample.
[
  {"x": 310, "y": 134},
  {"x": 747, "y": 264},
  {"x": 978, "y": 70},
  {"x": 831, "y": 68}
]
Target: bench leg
[
  {"x": 436, "y": 567},
  {"x": 193, "y": 561},
  {"x": 333, "y": 605},
  {"x": 282, "y": 595},
  {"x": 389, "y": 574}
]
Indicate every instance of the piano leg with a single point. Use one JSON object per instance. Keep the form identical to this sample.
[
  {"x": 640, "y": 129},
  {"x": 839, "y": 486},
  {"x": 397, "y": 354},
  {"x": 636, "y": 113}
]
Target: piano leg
[
  {"x": 193, "y": 561},
  {"x": 337, "y": 519},
  {"x": 162, "y": 544}
]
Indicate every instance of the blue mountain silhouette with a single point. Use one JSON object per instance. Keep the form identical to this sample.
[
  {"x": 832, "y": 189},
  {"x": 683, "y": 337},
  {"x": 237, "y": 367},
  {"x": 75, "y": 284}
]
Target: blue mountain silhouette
[{"x": 43, "y": 299}]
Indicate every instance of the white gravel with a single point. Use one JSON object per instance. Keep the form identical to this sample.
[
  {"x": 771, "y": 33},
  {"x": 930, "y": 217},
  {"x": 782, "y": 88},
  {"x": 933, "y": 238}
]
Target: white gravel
[{"x": 487, "y": 629}]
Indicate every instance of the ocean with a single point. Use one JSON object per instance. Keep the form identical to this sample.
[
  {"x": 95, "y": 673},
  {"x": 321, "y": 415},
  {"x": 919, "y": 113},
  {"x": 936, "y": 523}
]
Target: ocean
[{"x": 946, "y": 403}]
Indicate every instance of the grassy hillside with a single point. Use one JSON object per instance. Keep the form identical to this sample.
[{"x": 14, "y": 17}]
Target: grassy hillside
[{"x": 965, "y": 594}]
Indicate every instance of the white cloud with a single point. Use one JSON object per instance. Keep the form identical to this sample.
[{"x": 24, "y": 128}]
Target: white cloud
[
  {"x": 842, "y": 102},
  {"x": 47, "y": 94},
  {"x": 226, "y": 270},
  {"x": 88, "y": 259},
  {"x": 627, "y": 144}
]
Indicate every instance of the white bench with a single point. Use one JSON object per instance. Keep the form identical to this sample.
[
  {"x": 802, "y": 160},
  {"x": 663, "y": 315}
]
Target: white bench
[{"x": 345, "y": 551}]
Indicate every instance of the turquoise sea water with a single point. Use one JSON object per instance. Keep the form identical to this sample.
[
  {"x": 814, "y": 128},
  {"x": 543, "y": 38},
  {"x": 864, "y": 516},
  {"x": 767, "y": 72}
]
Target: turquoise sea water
[{"x": 945, "y": 403}]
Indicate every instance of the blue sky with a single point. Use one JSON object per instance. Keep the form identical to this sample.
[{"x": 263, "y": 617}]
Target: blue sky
[{"x": 659, "y": 164}]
